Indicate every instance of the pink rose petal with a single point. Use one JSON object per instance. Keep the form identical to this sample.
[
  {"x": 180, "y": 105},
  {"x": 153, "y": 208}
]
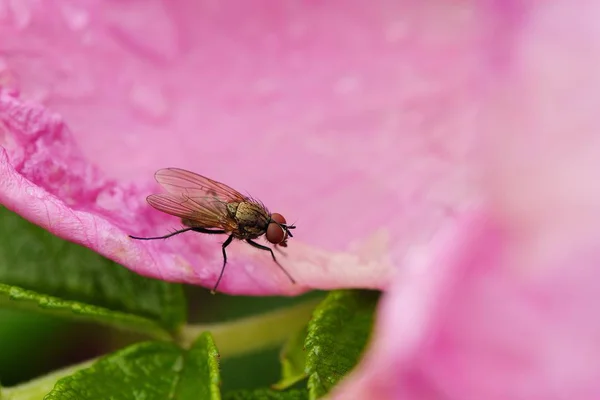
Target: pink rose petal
[
  {"x": 471, "y": 323},
  {"x": 504, "y": 304},
  {"x": 46, "y": 180},
  {"x": 342, "y": 121}
]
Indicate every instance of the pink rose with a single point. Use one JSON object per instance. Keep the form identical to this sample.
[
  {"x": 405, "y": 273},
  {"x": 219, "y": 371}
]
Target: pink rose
[
  {"x": 446, "y": 152},
  {"x": 340, "y": 121}
]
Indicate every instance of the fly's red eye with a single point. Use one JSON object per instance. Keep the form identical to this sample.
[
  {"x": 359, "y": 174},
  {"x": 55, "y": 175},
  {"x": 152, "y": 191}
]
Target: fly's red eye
[
  {"x": 278, "y": 218},
  {"x": 275, "y": 233}
]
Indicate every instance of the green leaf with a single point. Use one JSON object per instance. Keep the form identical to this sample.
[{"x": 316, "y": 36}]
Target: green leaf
[
  {"x": 18, "y": 298},
  {"x": 266, "y": 394},
  {"x": 293, "y": 361},
  {"x": 150, "y": 370},
  {"x": 337, "y": 336},
  {"x": 57, "y": 275},
  {"x": 200, "y": 378}
]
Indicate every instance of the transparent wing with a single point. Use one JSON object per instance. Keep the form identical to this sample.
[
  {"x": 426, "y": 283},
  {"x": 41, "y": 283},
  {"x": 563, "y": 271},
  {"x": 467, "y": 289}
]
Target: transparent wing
[
  {"x": 203, "y": 212},
  {"x": 180, "y": 182}
]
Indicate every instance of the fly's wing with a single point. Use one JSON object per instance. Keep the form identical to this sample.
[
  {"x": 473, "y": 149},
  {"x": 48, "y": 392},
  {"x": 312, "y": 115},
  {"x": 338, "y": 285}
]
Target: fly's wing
[
  {"x": 179, "y": 181},
  {"x": 205, "y": 214},
  {"x": 195, "y": 198}
]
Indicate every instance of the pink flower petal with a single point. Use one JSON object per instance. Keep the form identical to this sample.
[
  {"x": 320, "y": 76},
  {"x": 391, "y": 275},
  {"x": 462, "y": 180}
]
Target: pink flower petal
[
  {"x": 470, "y": 323},
  {"x": 345, "y": 122},
  {"x": 45, "y": 179},
  {"x": 504, "y": 304}
]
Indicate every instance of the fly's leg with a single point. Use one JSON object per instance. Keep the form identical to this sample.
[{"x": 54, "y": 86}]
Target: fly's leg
[
  {"x": 201, "y": 230},
  {"x": 162, "y": 237},
  {"x": 225, "y": 244},
  {"x": 265, "y": 248},
  {"x": 209, "y": 231}
]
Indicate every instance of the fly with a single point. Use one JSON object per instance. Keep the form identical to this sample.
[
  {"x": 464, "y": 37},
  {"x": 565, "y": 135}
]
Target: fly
[{"x": 211, "y": 207}]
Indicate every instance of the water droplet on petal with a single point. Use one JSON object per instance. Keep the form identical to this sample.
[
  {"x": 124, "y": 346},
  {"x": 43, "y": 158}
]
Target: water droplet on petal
[
  {"x": 151, "y": 32},
  {"x": 21, "y": 12},
  {"x": 3, "y": 11},
  {"x": 7, "y": 77},
  {"x": 75, "y": 84},
  {"x": 76, "y": 18},
  {"x": 149, "y": 101},
  {"x": 346, "y": 85},
  {"x": 396, "y": 31}
]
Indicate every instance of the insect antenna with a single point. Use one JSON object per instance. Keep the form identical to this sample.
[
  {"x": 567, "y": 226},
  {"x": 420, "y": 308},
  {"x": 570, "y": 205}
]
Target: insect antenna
[{"x": 287, "y": 228}]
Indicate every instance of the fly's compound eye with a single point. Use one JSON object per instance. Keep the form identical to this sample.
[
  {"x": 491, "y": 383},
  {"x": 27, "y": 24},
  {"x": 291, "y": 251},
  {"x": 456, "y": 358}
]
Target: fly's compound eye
[
  {"x": 275, "y": 233},
  {"x": 278, "y": 218}
]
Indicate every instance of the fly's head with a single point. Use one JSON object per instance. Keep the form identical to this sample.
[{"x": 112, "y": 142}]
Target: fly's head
[{"x": 278, "y": 230}]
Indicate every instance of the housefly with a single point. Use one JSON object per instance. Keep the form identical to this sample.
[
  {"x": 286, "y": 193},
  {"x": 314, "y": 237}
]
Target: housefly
[{"x": 211, "y": 207}]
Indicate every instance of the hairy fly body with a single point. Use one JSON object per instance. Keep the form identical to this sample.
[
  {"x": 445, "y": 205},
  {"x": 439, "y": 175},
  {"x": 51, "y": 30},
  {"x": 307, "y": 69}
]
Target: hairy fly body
[{"x": 211, "y": 207}]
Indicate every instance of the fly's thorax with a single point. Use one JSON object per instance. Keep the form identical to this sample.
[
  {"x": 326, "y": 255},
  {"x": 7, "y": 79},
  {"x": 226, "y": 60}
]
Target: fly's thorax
[
  {"x": 232, "y": 209},
  {"x": 251, "y": 218}
]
